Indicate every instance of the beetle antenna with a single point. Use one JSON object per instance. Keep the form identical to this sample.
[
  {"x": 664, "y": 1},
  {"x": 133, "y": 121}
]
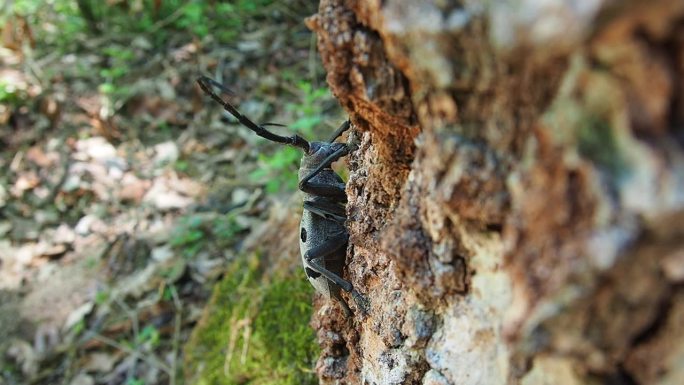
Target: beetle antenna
[
  {"x": 206, "y": 85},
  {"x": 272, "y": 124}
]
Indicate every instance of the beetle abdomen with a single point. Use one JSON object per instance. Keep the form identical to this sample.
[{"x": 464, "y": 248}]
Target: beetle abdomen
[{"x": 316, "y": 231}]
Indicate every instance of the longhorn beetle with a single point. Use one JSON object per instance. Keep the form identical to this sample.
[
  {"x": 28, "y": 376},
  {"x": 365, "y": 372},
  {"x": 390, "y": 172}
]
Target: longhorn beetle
[{"x": 323, "y": 237}]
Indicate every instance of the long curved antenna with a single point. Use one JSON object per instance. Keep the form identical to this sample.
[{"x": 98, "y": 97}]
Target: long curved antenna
[
  {"x": 206, "y": 83},
  {"x": 272, "y": 124}
]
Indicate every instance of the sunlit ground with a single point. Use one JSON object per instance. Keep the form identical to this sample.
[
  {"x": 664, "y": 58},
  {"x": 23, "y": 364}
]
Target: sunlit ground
[{"x": 124, "y": 192}]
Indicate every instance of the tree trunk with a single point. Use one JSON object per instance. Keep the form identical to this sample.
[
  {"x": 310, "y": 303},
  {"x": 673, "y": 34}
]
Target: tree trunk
[{"x": 516, "y": 207}]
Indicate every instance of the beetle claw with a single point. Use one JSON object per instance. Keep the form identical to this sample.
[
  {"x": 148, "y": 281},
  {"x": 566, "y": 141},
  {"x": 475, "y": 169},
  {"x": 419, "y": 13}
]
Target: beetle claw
[{"x": 361, "y": 301}]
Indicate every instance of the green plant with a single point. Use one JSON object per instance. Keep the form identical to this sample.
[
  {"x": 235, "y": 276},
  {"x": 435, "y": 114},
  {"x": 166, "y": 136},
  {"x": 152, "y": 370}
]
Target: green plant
[
  {"x": 181, "y": 165},
  {"x": 9, "y": 94},
  {"x": 195, "y": 232},
  {"x": 101, "y": 297},
  {"x": 135, "y": 381},
  {"x": 193, "y": 18},
  {"x": 189, "y": 235},
  {"x": 148, "y": 335},
  {"x": 169, "y": 293},
  {"x": 78, "y": 327},
  {"x": 226, "y": 227},
  {"x": 279, "y": 170},
  {"x": 309, "y": 110},
  {"x": 119, "y": 58}
]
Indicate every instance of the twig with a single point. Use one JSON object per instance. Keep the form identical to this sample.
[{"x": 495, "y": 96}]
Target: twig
[
  {"x": 152, "y": 361},
  {"x": 312, "y": 60},
  {"x": 167, "y": 20},
  {"x": 134, "y": 321},
  {"x": 54, "y": 190},
  {"x": 176, "y": 332}
]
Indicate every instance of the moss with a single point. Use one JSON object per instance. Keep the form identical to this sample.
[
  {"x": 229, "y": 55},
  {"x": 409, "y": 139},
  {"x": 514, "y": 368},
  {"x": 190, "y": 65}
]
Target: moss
[
  {"x": 598, "y": 143},
  {"x": 254, "y": 331}
]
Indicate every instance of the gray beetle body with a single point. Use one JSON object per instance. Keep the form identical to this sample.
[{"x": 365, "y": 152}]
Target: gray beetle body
[
  {"x": 333, "y": 262},
  {"x": 317, "y": 230},
  {"x": 323, "y": 237}
]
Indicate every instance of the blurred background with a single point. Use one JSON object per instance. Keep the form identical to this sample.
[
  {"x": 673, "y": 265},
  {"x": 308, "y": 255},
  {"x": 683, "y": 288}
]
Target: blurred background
[{"x": 145, "y": 237}]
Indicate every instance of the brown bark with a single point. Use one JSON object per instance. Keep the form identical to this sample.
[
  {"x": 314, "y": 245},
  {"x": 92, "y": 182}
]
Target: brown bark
[{"x": 515, "y": 208}]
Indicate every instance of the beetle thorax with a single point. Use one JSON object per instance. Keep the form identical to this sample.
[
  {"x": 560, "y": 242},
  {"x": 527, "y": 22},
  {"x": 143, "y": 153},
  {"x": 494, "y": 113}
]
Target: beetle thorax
[{"x": 318, "y": 152}]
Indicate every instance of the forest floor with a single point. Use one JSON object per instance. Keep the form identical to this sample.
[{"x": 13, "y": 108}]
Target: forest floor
[{"x": 125, "y": 194}]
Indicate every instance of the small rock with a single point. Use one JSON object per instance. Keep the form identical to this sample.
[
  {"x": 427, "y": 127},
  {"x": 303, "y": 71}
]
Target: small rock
[
  {"x": 163, "y": 197},
  {"x": 240, "y": 196},
  {"x": 116, "y": 167},
  {"x": 97, "y": 148},
  {"x": 142, "y": 43},
  {"x": 3, "y": 196},
  {"x": 85, "y": 224},
  {"x": 64, "y": 234},
  {"x": 166, "y": 152},
  {"x": 99, "y": 362},
  {"x": 82, "y": 379},
  {"x": 162, "y": 253},
  {"x": 433, "y": 377},
  {"x": 5, "y": 227}
]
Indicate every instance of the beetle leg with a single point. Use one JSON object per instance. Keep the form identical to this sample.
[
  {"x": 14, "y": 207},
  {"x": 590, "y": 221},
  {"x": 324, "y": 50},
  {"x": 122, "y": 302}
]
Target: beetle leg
[
  {"x": 312, "y": 257},
  {"x": 345, "y": 306},
  {"x": 332, "y": 191},
  {"x": 330, "y": 246},
  {"x": 360, "y": 300},
  {"x": 340, "y": 130},
  {"x": 326, "y": 209},
  {"x": 337, "y": 190},
  {"x": 332, "y": 277}
]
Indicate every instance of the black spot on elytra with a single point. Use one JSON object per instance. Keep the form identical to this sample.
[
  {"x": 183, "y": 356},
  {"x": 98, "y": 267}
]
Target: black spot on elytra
[{"x": 302, "y": 235}]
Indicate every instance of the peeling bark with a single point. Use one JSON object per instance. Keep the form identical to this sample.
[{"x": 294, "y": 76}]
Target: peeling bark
[{"x": 515, "y": 208}]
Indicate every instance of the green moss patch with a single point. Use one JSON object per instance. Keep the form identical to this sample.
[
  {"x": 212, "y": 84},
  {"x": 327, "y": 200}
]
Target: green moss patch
[
  {"x": 598, "y": 143},
  {"x": 254, "y": 331}
]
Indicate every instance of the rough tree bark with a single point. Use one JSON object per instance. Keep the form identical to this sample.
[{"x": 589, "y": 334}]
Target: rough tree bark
[{"x": 516, "y": 208}]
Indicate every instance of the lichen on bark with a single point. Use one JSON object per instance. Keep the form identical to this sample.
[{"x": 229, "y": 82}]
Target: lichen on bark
[{"x": 514, "y": 207}]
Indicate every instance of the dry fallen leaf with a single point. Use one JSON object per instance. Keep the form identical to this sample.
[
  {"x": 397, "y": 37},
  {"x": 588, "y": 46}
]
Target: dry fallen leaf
[
  {"x": 100, "y": 362},
  {"x": 23, "y": 354},
  {"x": 132, "y": 188},
  {"x": 26, "y": 181},
  {"x": 36, "y": 155},
  {"x": 165, "y": 195},
  {"x": 78, "y": 314}
]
